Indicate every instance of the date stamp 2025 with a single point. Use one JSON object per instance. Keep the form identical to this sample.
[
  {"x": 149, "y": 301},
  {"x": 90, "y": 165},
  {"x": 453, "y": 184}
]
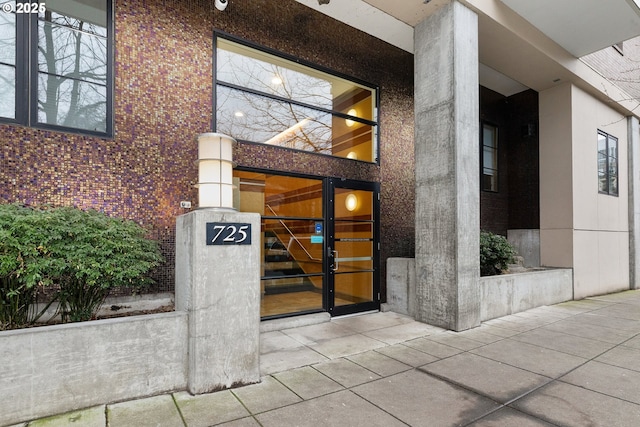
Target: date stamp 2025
[{"x": 32, "y": 7}]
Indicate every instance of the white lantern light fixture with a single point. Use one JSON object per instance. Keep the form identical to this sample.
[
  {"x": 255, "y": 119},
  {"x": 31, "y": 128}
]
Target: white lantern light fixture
[{"x": 215, "y": 171}]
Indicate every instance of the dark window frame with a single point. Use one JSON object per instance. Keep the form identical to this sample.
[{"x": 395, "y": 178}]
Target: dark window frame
[
  {"x": 27, "y": 73},
  {"x": 218, "y": 34},
  {"x": 484, "y": 123},
  {"x": 608, "y": 174}
]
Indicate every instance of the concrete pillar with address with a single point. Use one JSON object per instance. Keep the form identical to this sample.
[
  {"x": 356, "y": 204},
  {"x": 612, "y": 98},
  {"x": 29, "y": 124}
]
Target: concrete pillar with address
[
  {"x": 218, "y": 284},
  {"x": 447, "y": 168}
]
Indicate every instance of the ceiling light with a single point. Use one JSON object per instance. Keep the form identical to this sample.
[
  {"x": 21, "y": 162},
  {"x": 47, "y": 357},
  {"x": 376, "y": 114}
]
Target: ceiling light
[{"x": 351, "y": 112}]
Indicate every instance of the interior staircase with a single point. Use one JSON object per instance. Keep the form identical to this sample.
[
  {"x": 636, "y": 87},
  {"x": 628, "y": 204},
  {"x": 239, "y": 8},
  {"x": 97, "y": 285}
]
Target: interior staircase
[{"x": 282, "y": 269}]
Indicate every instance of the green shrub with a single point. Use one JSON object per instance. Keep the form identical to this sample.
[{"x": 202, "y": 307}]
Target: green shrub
[
  {"x": 84, "y": 254},
  {"x": 23, "y": 263},
  {"x": 496, "y": 253}
]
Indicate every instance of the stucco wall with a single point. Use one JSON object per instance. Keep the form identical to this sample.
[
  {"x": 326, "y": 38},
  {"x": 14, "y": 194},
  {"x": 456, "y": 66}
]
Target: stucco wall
[{"x": 581, "y": 228}]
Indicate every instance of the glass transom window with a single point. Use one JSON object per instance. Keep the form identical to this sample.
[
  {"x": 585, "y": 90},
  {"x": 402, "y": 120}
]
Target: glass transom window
[{"x": 267, "y": 99}]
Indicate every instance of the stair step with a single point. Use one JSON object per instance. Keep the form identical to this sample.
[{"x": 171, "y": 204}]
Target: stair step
[{"x": 281, "y": 265}]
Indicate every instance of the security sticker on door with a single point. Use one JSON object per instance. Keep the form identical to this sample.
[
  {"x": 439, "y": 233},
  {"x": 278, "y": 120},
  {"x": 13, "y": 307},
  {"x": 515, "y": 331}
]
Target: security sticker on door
[{"x": 228, "y": 233}]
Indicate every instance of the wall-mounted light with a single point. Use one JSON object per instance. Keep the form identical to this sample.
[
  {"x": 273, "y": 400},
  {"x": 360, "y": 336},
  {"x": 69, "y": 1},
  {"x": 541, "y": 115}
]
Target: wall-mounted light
[
  {"x": 221, "y": 4},
  {"x": 215, "y": 170},
  {"x": 351, "y": 202},
  {"x": 352, "y": 155},
  {"x": 351, "y": 112}
]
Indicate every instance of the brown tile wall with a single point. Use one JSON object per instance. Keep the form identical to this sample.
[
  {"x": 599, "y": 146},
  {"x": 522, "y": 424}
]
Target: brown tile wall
[{"x": 163, "y": 99}]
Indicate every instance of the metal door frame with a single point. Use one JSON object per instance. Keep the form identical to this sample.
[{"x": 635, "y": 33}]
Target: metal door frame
[{"x": 374, "y": 187}]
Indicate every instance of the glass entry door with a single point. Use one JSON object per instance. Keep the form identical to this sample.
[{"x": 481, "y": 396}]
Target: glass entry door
[
  {"x": 352, "y": 247},
  {"x": 319, "y": 242}
]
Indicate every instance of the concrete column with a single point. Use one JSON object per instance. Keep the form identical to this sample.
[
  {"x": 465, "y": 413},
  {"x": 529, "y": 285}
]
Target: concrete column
[
  {"x": 447, "y": 168},
  {"x": 219, "y": 287},
  {"x": 634, "y": 202}
]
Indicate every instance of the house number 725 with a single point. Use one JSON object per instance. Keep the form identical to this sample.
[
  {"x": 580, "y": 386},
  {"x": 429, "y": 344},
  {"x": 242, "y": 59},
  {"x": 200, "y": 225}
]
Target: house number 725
[{"x": 228, "y": 233}]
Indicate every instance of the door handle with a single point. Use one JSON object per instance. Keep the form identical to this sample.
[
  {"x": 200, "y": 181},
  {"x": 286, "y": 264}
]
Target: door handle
[{"x": 336, "y": 265}]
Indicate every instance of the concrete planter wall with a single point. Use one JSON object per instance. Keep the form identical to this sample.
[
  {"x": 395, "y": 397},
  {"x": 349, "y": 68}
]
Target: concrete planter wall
[
  {"x": 55, "y": 369},
  {"x": 499, "y": 295},
  {"x": 512, "y": 293}
]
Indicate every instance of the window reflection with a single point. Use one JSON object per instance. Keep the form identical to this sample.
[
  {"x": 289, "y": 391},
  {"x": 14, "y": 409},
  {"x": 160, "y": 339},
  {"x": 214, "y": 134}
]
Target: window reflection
[
  {"x": 7, "y": 63},
  {"x": 72, "y": 65},
  {"x": 270, "y": 100}
]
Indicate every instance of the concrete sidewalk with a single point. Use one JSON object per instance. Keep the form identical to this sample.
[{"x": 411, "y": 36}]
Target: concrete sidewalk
[{"x": 571, "y": 364}]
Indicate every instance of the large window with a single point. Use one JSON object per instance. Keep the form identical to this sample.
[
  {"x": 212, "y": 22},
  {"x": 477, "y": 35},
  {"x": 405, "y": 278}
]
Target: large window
[
  {"x": 607, "y": 164},
  {"x": 489, "y": 158},
  {"x": 269, "y": 99},
  {"x": 55, "y": 64}
]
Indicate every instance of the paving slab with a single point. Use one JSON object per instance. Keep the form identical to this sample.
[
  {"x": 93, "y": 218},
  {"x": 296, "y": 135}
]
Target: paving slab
[
  {"x": 497, "y": 330},
  {"x": 567, "y": 405},
  {"x": 607, "y": 379},
  {"x": 453, "y": 339},
  {"x": 622, "y": 356},
  {"x": 307, "y": 382},
  {"x": 312, "y": 334},
  {"x": 277, "y": 341},
  {"x": 420, "y": 399},
  {"x": 480, "y": 335},
  {"x": 346, "y": 346},
  {"x": 517, "y": 327},
  {"x": 591, "y": 331},
  {"x": 371, "y": 322},
  {"x": 278, "y": 361},
  {"x": 267, "y": 395},
  {"x": 571, "y": 344},
  {"x": 407, "y": 355},
  {"x": 508, "y": 417},
  {"x": 346, "y": 372},
  {"x": 533, "y": 358},
  {"x": 338, "y": 409},
  {"x": 400, "y": 333},
  {"x": 486, "y": 377},
  {"x": 583, "y": 305},
  {"x": 433, "y": 348},
  {"x": 91, "y": 417},
  {"x": 528, "y": 322},
  {"x": 244, "y": 422},
  {"x": 543, "y": 313},
  {"x": 625, "y": 296},
  {"x": 379, "y": 363},
  {"x": 621, "y": 311},
  {"x": 208, "y": 409},
  {"x": 610, "y": 322},
  {"x": 633, "y": 342},
  {"x": 157, "y": 411}
]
